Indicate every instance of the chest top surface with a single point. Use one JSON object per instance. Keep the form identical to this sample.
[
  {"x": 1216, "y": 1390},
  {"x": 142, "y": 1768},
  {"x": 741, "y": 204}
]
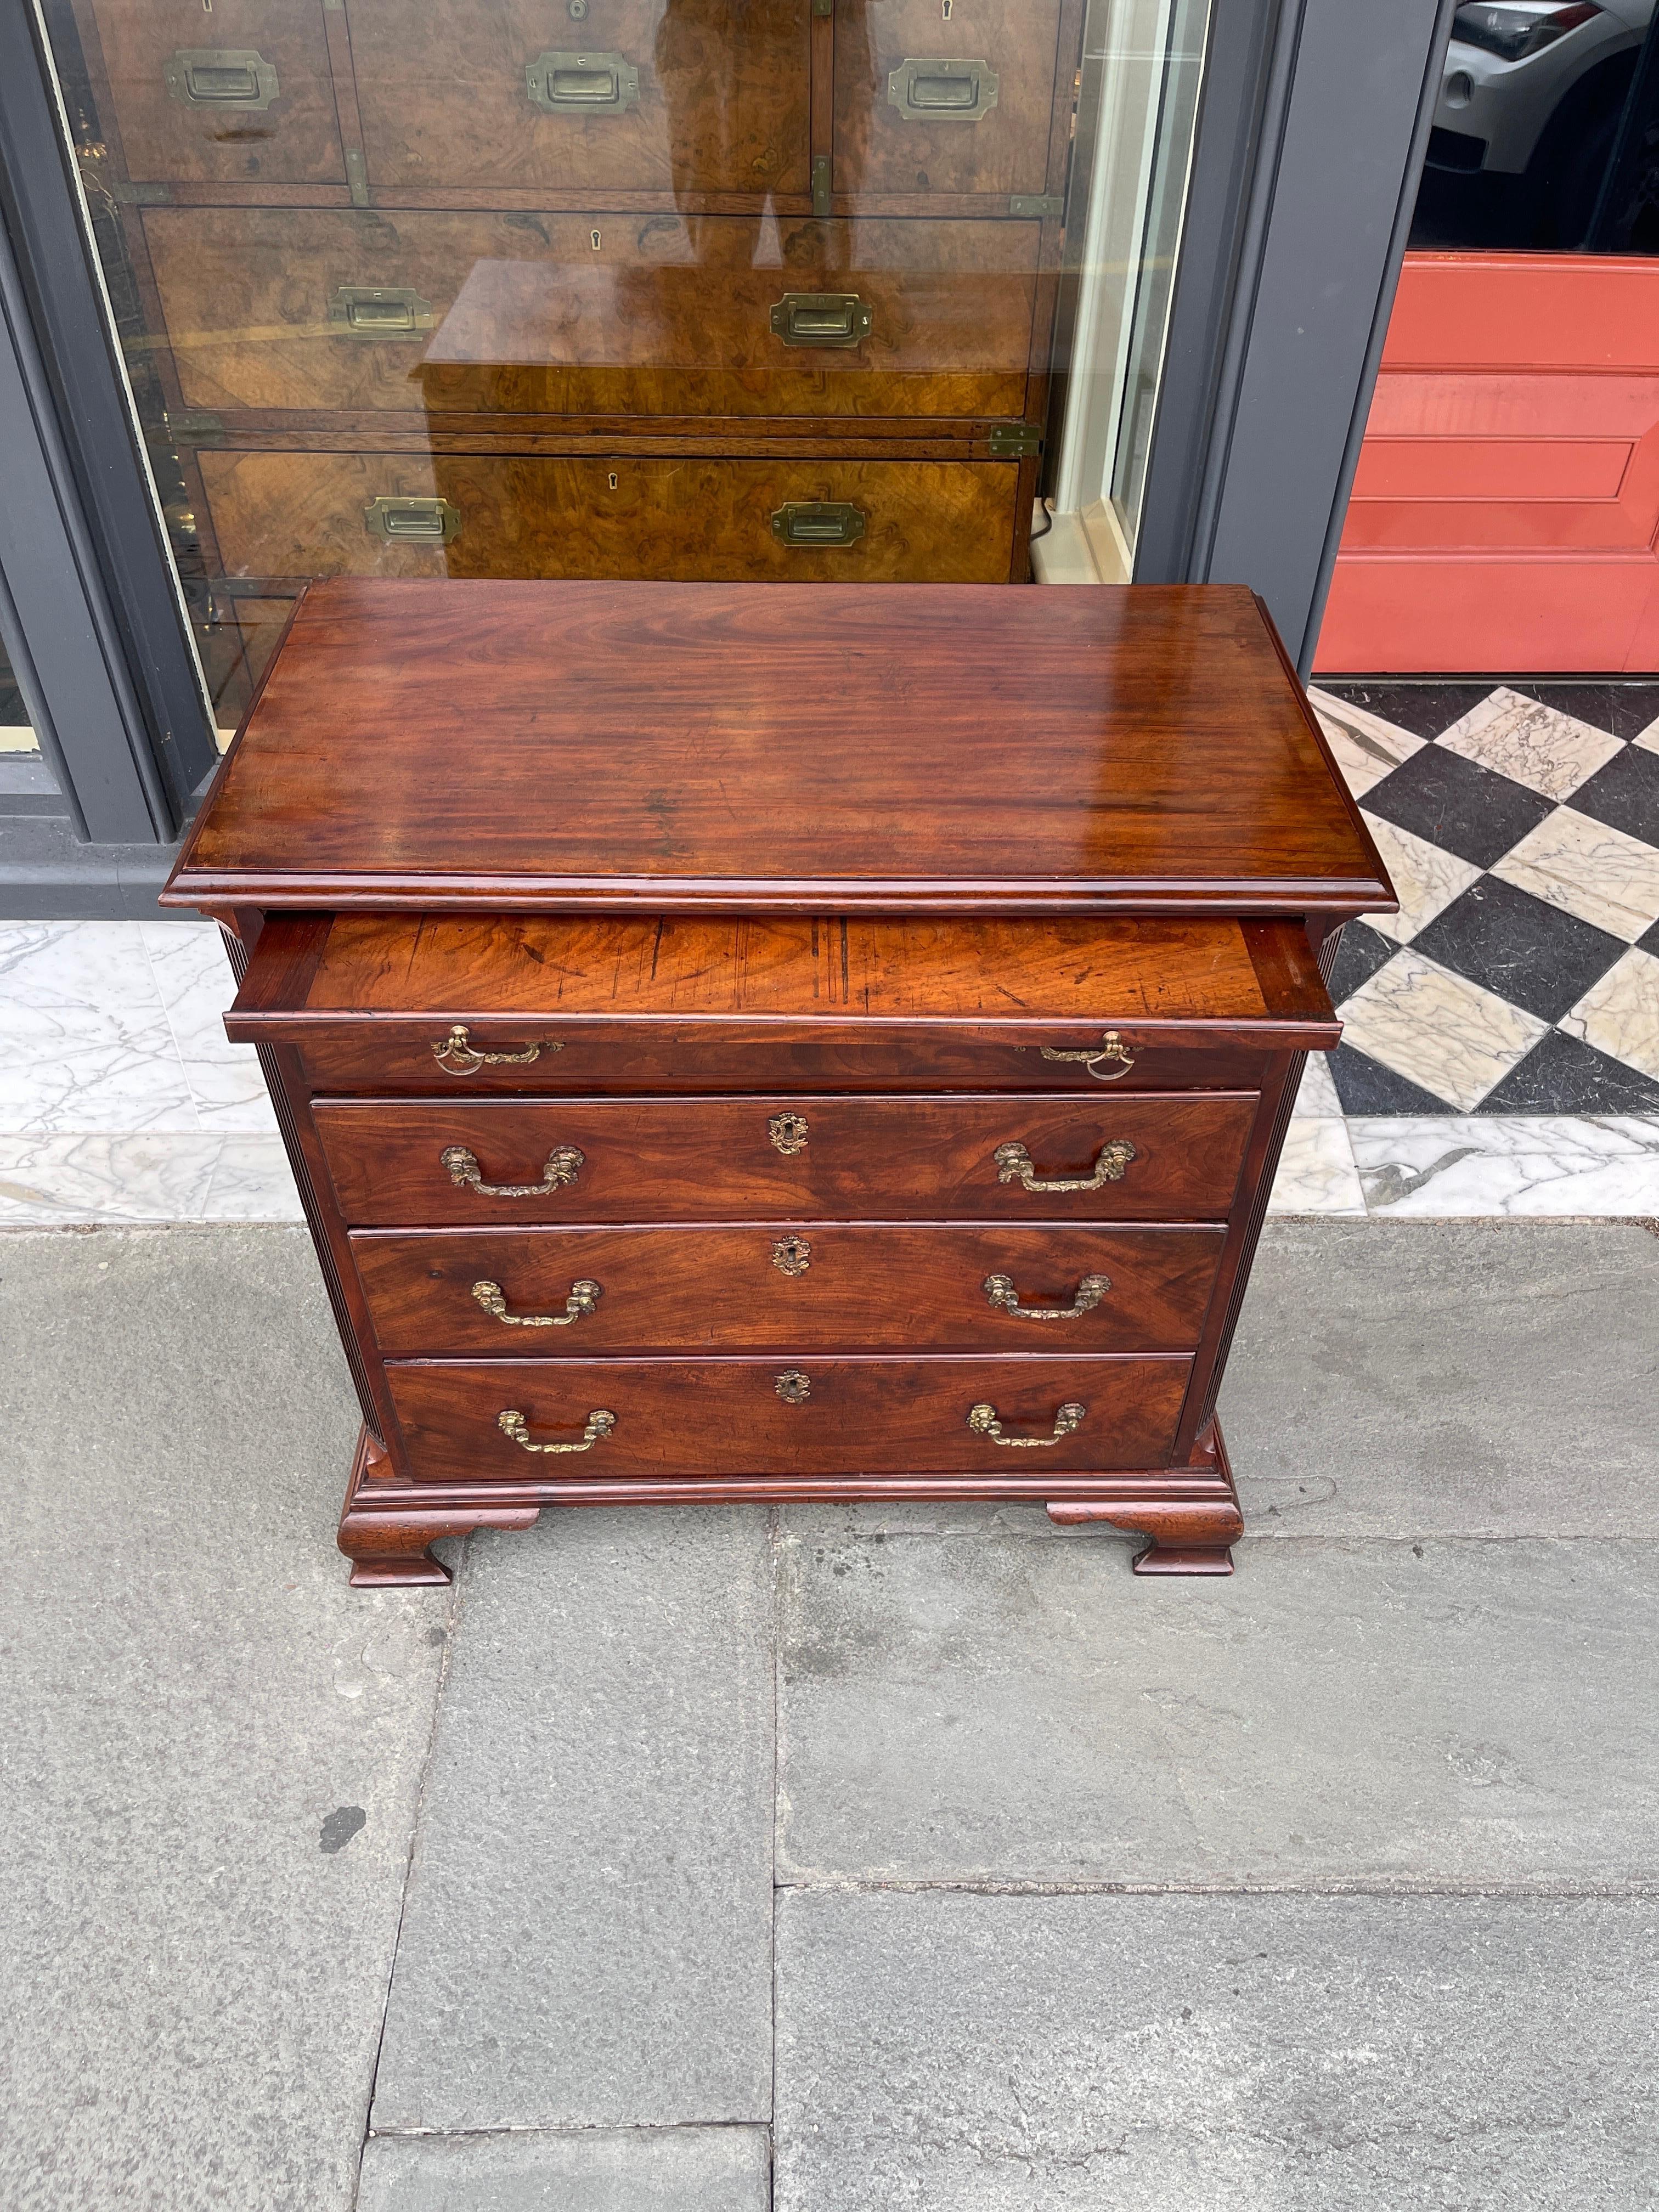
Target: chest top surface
[{"x": 685, "y": 746}]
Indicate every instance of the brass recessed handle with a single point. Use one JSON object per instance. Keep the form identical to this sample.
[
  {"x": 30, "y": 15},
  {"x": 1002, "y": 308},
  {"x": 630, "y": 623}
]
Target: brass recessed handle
[
  {"x": 943, "y": 88},
  {"x": 1111, "y": 1047},
  {"x": 823, "y": 318},
  {"x": 598, "y": 1427},
  {"x": 818, "y": 522},
  {"x": 220, "y": 77},
  {"x": 984, "y": 1421},
  {"x": 582, "y": 84},
  {"x": 456, "y": 1056},
  {"x": 583, "y": 1298},
  {"x": 564, "y": 1164},
  {"x": 999, "y": 1289},
  {"x": 1014, "y": 1165}
]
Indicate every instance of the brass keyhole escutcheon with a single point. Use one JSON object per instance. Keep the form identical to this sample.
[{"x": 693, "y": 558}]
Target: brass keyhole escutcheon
[
  {"x": 792, "y": 1255},
  {"x": 788, "y": 1134},
  {"x": 792, "y": 1387}
]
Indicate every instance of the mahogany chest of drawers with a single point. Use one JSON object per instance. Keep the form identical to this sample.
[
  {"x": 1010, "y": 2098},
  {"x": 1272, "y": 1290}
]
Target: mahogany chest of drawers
[{"x": 734, "y": 1045}]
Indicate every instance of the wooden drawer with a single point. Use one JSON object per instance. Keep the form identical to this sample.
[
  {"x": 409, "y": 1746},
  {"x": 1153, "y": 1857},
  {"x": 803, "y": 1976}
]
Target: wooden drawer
[
  {"x": 701, "y": 100},
  {"x": 620, "y": 516},
  {"x": 927, "y": 105},
  {"x": 736, "y": 1417},
  {"x": 515, "y": 1293},
  {"x": 242, "y": 93},
  {"x": 784, "y": 1159},
  {"x": 273, "y": 308},
  {"x": 613, "y": 1003}
]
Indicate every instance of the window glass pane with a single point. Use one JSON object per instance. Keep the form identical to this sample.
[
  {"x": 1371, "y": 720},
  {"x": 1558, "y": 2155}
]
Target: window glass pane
[
  {"x": 722, "y": 288},
  {"x": 1143, "y": 65},
  {"x": 15, "y": 734}
]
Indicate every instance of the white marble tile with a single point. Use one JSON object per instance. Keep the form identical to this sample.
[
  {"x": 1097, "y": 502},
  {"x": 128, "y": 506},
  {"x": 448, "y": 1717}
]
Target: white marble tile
[
  {"x": 1648, "y": 738},
  {"x": 1316, "y": 1100},
  {"x": 87, "y": 1045},
  {"x": 1316, "y": 1172},
  {"x": 194, "y": 980},
  {"x": 1620, "y": 1013},
  {"x": 1450, "y": 1037},
  {"x": 65, "y": 1180},
  {"x": 1425, "y": 878},
  {"x": 252, "y": 1181},
  {"x": 1585, "y": 868},
  {"x": 1548, "y": 752},
  {"x": 1429, "y": 1166},
  {"x": 1366, "y": 747}
]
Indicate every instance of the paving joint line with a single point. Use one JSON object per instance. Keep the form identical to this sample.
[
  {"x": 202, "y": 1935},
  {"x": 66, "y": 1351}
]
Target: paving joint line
[{"x": 854, "y": 1885}]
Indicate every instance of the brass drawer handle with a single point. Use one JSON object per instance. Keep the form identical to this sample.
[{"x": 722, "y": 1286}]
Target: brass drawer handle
[
  {"x": 819, "y": 522},
  {"x": 582, "y": 84},
  {"x": 1014, "y": 1165},
  {"x": 942, "y": 88},
  {"x": 823, "y": 318},
  {"x": 999, "y": 1289},
  {"x": 564, "y": 1164},
  {"x": 220, "y": 77},
  {"x": 1111, "y": 1047},
  {"x": 379, "y": 311},
  {"x": 598, "y": 1427},
  {"x": 398, "y": 522},
  {"x": 983, "y": 1420},
  {"x": 583, "y": 1299},
  {"x": 457, "y": 1056}
]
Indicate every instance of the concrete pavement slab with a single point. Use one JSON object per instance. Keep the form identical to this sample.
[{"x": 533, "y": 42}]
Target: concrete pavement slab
[
  {"x": 588, "y": 1939},
  {"x": 599, "y": 2170},
  {"x": 211, "y": 1748},
  {"x": 1422, "y": 1715},
  {"x": 942, "y": 2052},
  {"x": 1447, "y": 1378}
]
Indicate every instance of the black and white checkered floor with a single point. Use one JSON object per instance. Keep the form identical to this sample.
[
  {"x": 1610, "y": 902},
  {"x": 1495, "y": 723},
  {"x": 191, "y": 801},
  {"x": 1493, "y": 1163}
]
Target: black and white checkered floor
[{"x": 1521, "y": 827}]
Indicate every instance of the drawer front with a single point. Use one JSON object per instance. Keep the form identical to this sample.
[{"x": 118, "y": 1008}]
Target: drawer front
[
  {"x": 788, "y": 1159},
  {"x": 493, "y": 1058},
  {"x": 625, "y": 515},
  {"x": 679, "y": 95},
  {"x": 928, "y": 104},
  {"x": 523, "y": 314},
  {"x": 570, "y": 1292},
  {"x": 757, "y": 1417},
  {"x": 239, "y": 94}
]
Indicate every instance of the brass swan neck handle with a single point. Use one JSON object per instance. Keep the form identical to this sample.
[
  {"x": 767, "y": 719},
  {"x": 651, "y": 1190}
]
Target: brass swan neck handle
[
  {"x": 583, "y": 1299},
  {"x": 1000, "y": 1291},
  {"x": 563, "y": 1165},
  {"x": 598, "y": 1426},
  {"x": 1014, "y": 1165},
  {"x": 985, "y": 1421}
]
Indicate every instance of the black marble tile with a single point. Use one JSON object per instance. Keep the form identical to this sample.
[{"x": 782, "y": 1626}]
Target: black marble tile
[
  {"x": 1425, "y": 710},
  {"x": 1562, "y": 1075},
  {"x": 1621, "y": 708},
  {"x": 1456, "y": 804},
  {"x": 1533, "y": 955},
  {"x": 1361, "y": 953},
  {"x": 1366, "y": 1086},
  {"x": 1625, "y": 794}
]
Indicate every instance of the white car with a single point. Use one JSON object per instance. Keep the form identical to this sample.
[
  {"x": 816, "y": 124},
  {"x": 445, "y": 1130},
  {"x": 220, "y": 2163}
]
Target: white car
[{"x": 1537, "y": 82}]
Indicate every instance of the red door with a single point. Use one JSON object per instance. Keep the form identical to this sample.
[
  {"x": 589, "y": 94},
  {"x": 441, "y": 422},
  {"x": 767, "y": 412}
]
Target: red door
[{"x": 1505, "y": 515}]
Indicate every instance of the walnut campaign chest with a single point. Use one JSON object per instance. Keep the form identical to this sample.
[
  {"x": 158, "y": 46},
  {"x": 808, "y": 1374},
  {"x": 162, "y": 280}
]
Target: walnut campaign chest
[{"x": 743, "y": 1044}]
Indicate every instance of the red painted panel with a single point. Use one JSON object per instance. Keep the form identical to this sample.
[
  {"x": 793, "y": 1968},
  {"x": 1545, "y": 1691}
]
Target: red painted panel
[{"x": 1506, "y": 509}]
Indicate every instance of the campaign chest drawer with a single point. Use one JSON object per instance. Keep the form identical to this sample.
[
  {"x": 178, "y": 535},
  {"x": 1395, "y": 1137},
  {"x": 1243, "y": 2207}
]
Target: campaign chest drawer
[
  {"x": 541, "y": 1294},
  {"x": 479, "y": 312},
  {"x": 1136, "y": 1158},
  {"x": 687, "y": 518},
  {"x": 724, "y": 1417}
]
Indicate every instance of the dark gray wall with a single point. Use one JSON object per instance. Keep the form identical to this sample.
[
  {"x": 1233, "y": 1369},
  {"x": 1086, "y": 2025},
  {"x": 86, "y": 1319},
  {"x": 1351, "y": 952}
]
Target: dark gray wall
[{"x": 1312, "y": 311}]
